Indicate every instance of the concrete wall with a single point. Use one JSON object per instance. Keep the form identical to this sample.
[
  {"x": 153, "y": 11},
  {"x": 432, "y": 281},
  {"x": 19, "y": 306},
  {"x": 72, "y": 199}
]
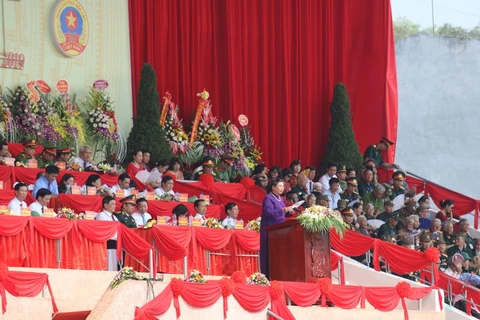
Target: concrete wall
[
  {"x": 25, "y": 28},
  {"x": 438, "y": 126}
]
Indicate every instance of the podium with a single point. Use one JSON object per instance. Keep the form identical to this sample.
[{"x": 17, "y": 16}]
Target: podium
[{"x": 297, "y": 255}]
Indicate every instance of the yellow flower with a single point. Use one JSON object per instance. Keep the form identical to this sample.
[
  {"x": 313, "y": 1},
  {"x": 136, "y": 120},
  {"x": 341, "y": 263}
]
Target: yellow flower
[
  {"x": 206, "y": 136},
  {"x": 198, "y": 277}
]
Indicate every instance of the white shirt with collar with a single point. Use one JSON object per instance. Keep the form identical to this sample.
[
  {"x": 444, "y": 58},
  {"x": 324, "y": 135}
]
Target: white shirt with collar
[
  {"x": 139, "y": 220},
  {"x": 117, "y": 187},
  {"x": 82, "y": 163},
  {"x": 324, "y": 180},
  {"x": 160, "y": 192},
  {"x": 452, "y": 273},
  {"x": 107, "y": 216},
  {"x": 229, "y": 223},
  {"x": 199, "y": 216},
  {"x": 16, "y": 206},
  {"x": 310, "y": 186},
  {"x": 332, "y": 198},
  {"x": 37, "y": 207}
]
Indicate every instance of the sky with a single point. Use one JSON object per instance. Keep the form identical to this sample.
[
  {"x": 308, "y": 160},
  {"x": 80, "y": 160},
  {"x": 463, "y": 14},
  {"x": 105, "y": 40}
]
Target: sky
[{"x": 463, "y": 13}]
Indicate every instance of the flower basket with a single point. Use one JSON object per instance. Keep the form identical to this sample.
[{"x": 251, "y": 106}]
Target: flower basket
[
  {"x": 319, "y": 219},
  {"x": 125, "y": 274},
  {"x": 196, "y": 276},
  {"x": 258, "y": 279},
  {"x": 253, "y": 225},
  {"x": 213, "y": 223}
]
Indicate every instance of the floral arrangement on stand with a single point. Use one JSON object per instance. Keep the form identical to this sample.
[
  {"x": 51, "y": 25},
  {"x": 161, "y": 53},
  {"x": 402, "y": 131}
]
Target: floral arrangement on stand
[
  {"x": 101, "y": 122},
  {"x": 321, "y": 219},
  {"x": 253, "y": 225},
  {"x": 174, "y": 132},
  {"x": 213, "y": 223},
  {"x": 69, "y": 121},
  {"x": 258, "y": 279},
  {"x": 253, "y": 155},
  {"x": 125, "y": 274},
  {"x": 23, "y": 111},
  {"x": 105, "y": 167},
  {"x": 196, "y": 276},
  {"x": 67, "y": 213}
]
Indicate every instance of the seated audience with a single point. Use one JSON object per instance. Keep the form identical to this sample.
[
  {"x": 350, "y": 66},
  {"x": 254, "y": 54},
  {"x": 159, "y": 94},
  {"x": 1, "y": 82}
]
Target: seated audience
[
  {"x": 28, "y": 153},
  {"x": 424, "y": 201},
  {"x": 49, "y": 181},
  {"x": 351, "y": 173},
  {"x": 126, "y": 211},
  {"x": 296, "y": 168},
  {"x": 464, "y": 226},
  {"x": 300, "y": 187},
  {"x": 292, "y": 197},
  {"x": 63, "y": 155},
  {"x": 136, "y": 165},
  {"x": 388, "y": 208},
  {"x": 323, "y": 200},
  {"x": 146, "y": 160},
  {"x": 349, "y": 192},
  {"x": 425, "y": 222},
  {"x": 261, "y": 180},
  {"x": 179, "y": 211},
  {"x": 287, "y": 174},
  {"x": 174, "y": 167},
  {"x": 442, "y": 247},
  {"x": 317, "y": 187},
  {"x": 375, "y": 198},
  {"x": 366, "y": 184},
  {"x": 94, "y": 180},
  {"x": 207, "y": 168},
  {"x": 310, "y": 174},
  {"x": 330, "y": 173},
  {"x": 83, "y": 160},
  {"x": 447, "y": 231},
  {"x": 446, "y": 212},
  {"x": 16, "y": 204},
  {"x": 342, "y": 176},
  {"x": 165, "y": 192},
  {"x": 43, "y": 197},
  {"x": 223, "y": 171},
  {"x": 310, "y": 201},
  {"x": 274, "y": 173},
  {"x": 370, "y": 213},
  {"x": 160, "y": 167},
  {"x": 107, "y": 214},
  {"x": 342, "y": 204},
  {"x": 347, "y": 216},
  {"x": 435, "y": 228},
  {"x": 425, "y": 241},
  {"x": 46, "y": 158},
  {"x": 123, "y": 184},
  {"x": 416, "y": 222},
  {"x": 388, "y": 229},
  {"x": 4, "y": 152},
  {"x": 231, "y": 209},
  {"x": 66, "y": 183},
  {"x": 460, "y": 245},
  {"x": 332, "y": 192},
  {"x": 260, "y": 169},
  {"x": 141, "y": 216},
  {"x": 200, "y": 207},
  {"x": 363, "y": 226}
]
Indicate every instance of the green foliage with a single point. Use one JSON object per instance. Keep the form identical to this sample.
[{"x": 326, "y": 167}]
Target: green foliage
[
  {"x": 147, "y": 133},
  {"x": 403, "y": 28},
  {"x": 342, "y": 148}
]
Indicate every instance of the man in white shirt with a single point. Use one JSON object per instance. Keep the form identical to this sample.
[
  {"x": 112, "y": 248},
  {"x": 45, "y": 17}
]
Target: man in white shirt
[
  {"x": 231, "y": 209},
  {"x": 310, "y": 173},
  {"x": 200, "y": 207},
  {"x": 84, "y": 158},
  {"x": 109, "y": 204},
  {"x": 165, "y": 191},
  {"x": 141, "y": 216},
  {"x": 17, "y": 203},
  {"x": 331, "y": 173},
  {"x": 332, "y": 192},
  {"x": 123, "y": 184},
  {"x": 43, "y": 198}
]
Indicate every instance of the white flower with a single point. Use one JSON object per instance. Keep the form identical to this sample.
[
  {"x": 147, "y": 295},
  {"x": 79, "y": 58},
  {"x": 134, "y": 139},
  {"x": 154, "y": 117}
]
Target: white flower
[
  {"x": 94, "y": 125},
  {"x": 91, "y": 120},
  {"x": 91, "y": 112}
]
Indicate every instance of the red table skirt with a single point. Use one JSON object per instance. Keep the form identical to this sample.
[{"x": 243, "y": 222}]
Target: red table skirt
[{"x": 219, "y": 265}]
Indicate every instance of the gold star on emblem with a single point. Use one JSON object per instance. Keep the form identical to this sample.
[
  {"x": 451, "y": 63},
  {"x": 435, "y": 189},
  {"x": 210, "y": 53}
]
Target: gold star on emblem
[{"x": 71, "y": 19}]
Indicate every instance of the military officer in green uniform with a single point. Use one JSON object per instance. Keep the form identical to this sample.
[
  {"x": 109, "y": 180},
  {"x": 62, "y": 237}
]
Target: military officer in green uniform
[
  {"x": 347, "y": 216},
  {"x": 207, "y": 168},
  {"x": 388, "y": 206},
  {"x": 46, "y": 158},
  {"x": 374, "y": 152},
  {"x": 27, "y": 154},
  {"x": 388, "y": 229},
  {"x": 342, "y": 175},
  {"x": 375, "y": 198},
  {"x": 349, "y": 194},
  {"x": 397, "y": 188},
  {"x": 223, "y": 171},
  {"x": 125, "y": 214},
  {"x": 441, "y": 245}
]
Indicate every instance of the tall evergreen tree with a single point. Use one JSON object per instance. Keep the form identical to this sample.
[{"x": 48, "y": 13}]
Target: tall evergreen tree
[
  {"x": 147, "y": 133},
  {"x": 342, "y": 148}
]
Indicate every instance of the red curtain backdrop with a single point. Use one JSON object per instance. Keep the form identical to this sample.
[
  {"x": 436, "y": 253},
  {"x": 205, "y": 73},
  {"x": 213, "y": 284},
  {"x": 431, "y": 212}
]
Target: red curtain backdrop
[{"x": 275, "y": 61}]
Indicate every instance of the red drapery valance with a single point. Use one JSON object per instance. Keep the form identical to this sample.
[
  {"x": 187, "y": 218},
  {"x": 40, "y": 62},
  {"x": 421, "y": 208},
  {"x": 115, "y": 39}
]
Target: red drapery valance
[{"x": 256, "y": 298}]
